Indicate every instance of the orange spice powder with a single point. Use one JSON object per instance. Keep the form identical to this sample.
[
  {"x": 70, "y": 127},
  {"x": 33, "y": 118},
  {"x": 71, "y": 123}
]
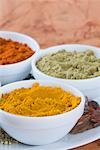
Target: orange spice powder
[{"x": 13, "y": 52}]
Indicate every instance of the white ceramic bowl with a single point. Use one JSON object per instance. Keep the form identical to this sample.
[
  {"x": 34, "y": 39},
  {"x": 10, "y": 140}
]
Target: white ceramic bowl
[
  {"x": 17, "y": 71},
  {"x": 40, "y": 130},
  {"x": 90, "y": 87}
]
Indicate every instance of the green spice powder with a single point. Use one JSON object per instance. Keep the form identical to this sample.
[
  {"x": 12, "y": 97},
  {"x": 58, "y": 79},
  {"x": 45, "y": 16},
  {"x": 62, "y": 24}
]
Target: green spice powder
[{"x": 70, "y": 65}]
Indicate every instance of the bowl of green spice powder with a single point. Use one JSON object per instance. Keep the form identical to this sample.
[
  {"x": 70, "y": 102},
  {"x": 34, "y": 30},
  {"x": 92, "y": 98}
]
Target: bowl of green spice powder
[{"x": 74, "y": 64}]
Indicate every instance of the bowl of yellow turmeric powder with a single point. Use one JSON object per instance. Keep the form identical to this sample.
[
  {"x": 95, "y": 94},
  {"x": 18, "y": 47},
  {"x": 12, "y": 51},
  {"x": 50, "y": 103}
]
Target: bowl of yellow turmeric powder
[{"x": 39, "y": 112}]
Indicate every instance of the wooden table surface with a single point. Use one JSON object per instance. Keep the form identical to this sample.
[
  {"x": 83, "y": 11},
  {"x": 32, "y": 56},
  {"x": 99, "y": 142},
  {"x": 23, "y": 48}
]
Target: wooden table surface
[{"x": 53, "y": 22}]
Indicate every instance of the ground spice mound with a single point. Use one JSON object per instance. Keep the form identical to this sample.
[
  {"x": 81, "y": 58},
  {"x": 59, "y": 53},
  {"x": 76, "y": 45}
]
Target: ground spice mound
[
  {"x": 39, "y": 101},
  {"x": 70, "y": 65},
  {"x": 13, "y": 52},
  {"x": 6, "y": 139}
]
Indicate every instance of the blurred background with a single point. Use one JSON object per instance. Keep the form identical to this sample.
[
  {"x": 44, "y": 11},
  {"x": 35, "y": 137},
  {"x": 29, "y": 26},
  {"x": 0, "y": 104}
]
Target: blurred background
[{"x": 53, "y": 22}]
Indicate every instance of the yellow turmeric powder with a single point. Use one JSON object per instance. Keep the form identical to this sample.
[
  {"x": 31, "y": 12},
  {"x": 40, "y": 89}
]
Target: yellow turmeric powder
[{"x": 38, "y": 101}]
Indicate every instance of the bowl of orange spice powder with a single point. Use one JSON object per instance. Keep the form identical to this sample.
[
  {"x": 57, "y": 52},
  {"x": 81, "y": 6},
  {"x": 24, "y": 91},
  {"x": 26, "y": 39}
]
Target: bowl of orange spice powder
[{"x": 16, "y": 53}]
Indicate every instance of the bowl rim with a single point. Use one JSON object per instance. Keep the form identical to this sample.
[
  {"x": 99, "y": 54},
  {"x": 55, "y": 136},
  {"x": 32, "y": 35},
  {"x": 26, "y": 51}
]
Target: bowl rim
[
  {"x": 24, "y": 36},
  {"x": 45, "y": 117},
  {"x": 49, "y": 50}
]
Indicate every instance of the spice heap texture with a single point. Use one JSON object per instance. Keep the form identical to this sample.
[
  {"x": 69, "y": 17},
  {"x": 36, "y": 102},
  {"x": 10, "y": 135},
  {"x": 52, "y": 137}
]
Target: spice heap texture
[
  {"x": 13, "y": 52},
  {"x": 70, "y": 65},
  {"x": 6, "y": 139},
  {"x": 39, "y": 101}
]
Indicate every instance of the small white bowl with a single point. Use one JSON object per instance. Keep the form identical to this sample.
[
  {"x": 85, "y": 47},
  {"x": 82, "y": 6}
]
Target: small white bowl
[
  {"x": 40, "y": 130},
  {"x": 17, "y": 71},
  {"x": 90, "y": 87}
]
